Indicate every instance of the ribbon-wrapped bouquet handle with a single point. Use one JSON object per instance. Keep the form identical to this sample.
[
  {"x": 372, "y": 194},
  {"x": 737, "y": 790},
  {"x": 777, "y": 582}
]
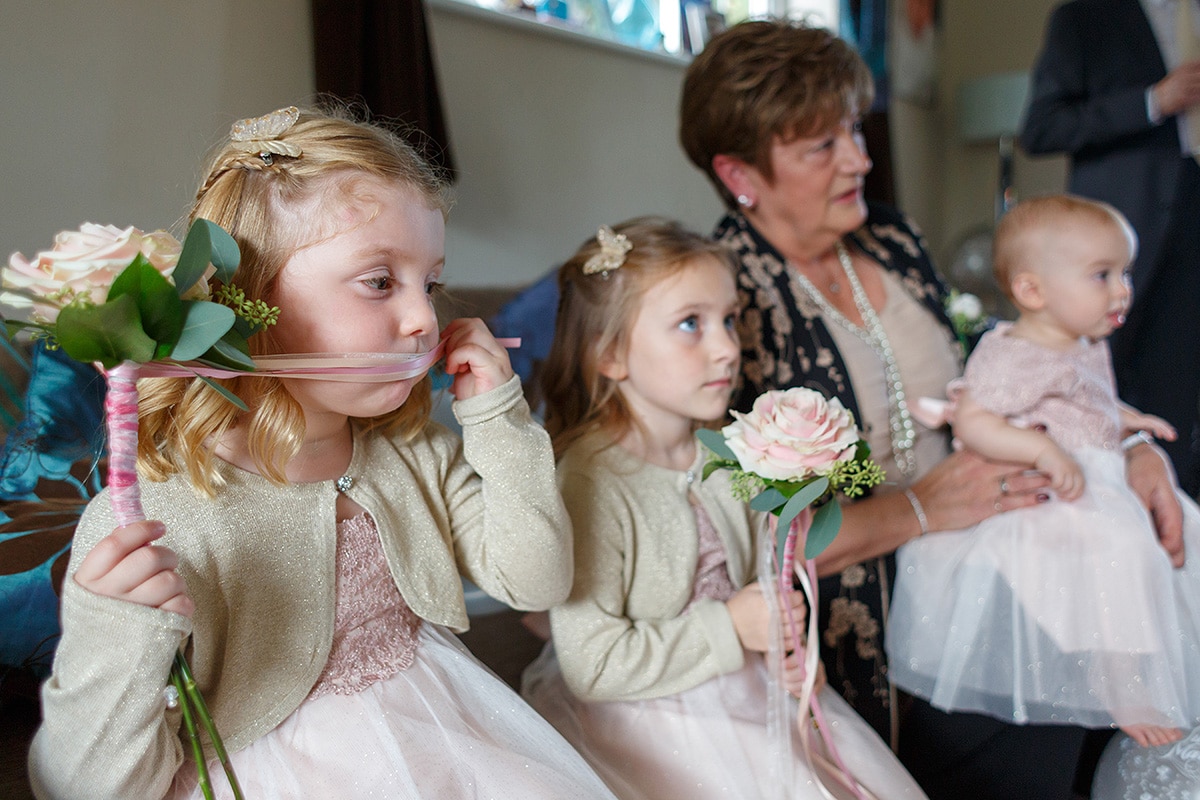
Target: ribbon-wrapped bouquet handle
[{"x": 790, "y": 455}]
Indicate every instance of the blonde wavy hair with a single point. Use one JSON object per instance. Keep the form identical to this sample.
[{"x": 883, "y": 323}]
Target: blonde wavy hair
[
  {"x": 595, "y": 315},
  {"x": 273, "y": 208}
]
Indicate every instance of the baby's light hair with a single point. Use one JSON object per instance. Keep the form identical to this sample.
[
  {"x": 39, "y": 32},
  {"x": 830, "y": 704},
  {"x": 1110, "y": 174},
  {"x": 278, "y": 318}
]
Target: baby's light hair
[
  {"x": 1022, "y": 232},
  {"x": 595, "y": 314},
  {"x": 273, "y": 207}
]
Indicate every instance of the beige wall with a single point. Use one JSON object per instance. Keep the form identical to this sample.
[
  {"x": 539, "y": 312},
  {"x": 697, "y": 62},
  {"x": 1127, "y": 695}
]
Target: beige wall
[{"x": 109, "y": 107}]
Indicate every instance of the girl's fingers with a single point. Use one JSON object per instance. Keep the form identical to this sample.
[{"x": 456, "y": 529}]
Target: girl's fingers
[{"x": 113, "y": 549}]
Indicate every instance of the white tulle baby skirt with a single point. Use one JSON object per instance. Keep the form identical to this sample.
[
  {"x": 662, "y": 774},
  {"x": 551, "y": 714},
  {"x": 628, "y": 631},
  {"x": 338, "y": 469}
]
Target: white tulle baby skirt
[
  {"x": 1066, "y": 612},
  {"x": 712, "y": 741},
  {"x": 442, "y": 729}
]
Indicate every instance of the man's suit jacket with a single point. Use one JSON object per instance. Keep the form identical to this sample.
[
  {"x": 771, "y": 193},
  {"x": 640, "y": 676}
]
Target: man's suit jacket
[{"x": 1088, "y": 99}]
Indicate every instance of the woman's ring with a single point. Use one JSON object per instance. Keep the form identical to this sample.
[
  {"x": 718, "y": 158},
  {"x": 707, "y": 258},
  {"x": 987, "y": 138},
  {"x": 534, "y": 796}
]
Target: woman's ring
[{"x": 1003, "y": 486}]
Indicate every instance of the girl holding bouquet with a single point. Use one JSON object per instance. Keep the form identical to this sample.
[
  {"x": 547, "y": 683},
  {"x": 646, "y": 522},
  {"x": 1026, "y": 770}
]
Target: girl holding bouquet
[
  {"x": 655, "y": 669},
  {"x": 306, "y": 553},
  {"x": 1070, "y": 612}
]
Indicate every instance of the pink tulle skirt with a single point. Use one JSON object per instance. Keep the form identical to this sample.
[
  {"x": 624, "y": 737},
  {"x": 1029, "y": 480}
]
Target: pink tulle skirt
[
  {"x": 712, "y": 741},
  {"x": 444, "y": 728}
]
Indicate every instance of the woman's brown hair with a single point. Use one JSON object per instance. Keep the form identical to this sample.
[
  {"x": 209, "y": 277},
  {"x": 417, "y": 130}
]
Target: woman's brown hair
[{"x": 762, "y": 80}]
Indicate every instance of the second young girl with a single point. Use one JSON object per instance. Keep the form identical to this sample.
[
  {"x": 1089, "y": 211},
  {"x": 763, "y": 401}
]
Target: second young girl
[
  {"x": 1069, "y": 612},
  {"x": 307, "y": 552},
  {"x": 655, "y": 670}
]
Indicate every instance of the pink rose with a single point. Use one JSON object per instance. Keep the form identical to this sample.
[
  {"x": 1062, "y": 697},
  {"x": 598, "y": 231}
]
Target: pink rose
[
  {"x": 792, "y": 434},
  {"x": 83, "y": 264}
]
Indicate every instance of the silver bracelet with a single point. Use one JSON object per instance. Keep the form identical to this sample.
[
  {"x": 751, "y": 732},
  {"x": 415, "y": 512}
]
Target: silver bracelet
[
  {"x": 918, "y": 509},
  {"x": 1134, "y": 439}
]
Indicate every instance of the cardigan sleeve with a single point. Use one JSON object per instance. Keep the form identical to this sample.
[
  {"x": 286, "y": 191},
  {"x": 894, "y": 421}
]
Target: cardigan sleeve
[
  {"x": 604, "y": 653},
  {"x": 106, "y": 731},
  {"x": 512, "y": 536}
]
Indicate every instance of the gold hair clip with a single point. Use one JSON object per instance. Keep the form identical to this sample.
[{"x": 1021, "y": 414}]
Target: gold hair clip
[
  {"x": 260, "y": 134},
  {"x": 613, "y": 247}
]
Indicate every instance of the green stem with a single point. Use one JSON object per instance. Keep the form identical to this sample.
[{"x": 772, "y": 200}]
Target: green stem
[
  {"x": 201, "y": 708},
  {"x": 189, "y": 725}
]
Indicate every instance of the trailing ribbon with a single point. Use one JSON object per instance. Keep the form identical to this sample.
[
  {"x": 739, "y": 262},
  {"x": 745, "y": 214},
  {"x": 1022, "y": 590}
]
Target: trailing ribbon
[{"x": 833, "y": 766}]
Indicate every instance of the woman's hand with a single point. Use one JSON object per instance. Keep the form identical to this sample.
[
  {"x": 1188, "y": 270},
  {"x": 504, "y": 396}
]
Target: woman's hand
[
  {"x": 125, "y": 566},
  {"x": 751, "y": 617},
  {"x": 476, "y": 361},
  {"x": 1151, "y": 478},
  {"x": 965, "y": 489},
  {"x": 793, "y": 674}
]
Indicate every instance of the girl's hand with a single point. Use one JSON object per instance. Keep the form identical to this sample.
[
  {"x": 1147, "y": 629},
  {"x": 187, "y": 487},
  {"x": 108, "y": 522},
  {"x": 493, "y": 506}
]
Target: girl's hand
[
  {"x": 1157, "y": 427},
  {"x": 125, "y": 566},
  {"x": 751, "y": 617},
  {"x": 793, "y": 675},
  {"x": 1066, "y": 478},
  {"x": 476, "y": 361},
  {"x": 966, "y": 488}
]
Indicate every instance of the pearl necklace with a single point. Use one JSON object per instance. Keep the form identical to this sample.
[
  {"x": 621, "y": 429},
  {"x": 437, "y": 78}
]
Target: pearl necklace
[{"x": 903, "y": 432}]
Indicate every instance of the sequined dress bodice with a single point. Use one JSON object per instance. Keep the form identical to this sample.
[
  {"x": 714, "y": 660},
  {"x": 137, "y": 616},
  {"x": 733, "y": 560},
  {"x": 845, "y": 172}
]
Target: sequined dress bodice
[
  {"x": 1072, "y": 393},
  {"x": 375, "y": 632},
  {"x": 712, "y": 576}
]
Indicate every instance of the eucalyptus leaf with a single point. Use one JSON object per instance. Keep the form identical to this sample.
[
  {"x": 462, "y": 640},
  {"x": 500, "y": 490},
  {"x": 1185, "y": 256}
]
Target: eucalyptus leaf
[
  {"x": 715, "y": 442},
  {"x": 825, "y": 525},
  {"x": 803, "y": 497},
  {"x": 204, "y": 324},
  {"x": 768, "y": 499},
  {"x": 108, "y": 333},
  {"x": 206, "y": 243},
  {"x": 228, "y": 395},
  {"x": 229, "y": 352},
  {"x": 159, "y": 307}
]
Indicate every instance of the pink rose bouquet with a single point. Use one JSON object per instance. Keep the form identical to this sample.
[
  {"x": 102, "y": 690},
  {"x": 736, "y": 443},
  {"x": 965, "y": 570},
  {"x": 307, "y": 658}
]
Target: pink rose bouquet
[
  {"x": 122, "y": 299},
  {"x": 792, "y": 450}
]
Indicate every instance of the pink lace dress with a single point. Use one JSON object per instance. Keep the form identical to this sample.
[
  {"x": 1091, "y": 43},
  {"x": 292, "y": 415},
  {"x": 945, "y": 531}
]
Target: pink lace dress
[
  {"x": 710, "y": 741},
  {"x": 401, "y": 710},
  {"x": 1066, "y": 612}
]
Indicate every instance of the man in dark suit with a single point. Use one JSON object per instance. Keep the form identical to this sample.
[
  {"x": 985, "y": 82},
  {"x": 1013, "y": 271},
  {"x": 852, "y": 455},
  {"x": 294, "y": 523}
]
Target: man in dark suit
[{"x": 1111, "y": 89}]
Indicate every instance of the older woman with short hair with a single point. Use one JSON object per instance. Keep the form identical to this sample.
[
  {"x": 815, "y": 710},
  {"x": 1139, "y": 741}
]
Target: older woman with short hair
[{"x": 840, "y": 295}]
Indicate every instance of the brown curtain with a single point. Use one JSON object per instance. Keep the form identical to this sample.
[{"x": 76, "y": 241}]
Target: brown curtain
[{"x": 378, "y": 52}]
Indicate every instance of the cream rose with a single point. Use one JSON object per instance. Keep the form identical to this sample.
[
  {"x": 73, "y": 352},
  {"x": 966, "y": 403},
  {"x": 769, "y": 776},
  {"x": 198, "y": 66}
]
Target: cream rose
[
  {"x": 84, "y": 264},
  {"x": 792, "y": 434}
]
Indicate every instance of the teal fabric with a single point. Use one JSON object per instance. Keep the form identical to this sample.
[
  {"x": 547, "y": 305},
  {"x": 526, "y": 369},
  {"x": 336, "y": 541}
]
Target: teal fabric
[{"x": 48, "y": 471}]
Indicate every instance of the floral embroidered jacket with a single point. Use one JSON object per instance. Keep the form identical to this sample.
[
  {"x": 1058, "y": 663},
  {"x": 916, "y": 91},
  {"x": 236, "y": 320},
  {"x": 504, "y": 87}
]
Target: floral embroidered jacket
[{"x": 786, "y": 343}]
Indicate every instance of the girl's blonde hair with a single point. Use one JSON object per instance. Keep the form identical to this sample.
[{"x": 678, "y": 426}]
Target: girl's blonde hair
[
  {"x": 274, "y": 205},
  {"x": 595, "y": 314},
  {"x": 1023, "y": 230}
]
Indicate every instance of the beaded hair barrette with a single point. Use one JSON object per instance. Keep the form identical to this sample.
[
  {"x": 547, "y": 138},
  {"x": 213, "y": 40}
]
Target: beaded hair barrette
[
  {"x": 613, "y": 248},
  {"x": 261, "y": 134}
]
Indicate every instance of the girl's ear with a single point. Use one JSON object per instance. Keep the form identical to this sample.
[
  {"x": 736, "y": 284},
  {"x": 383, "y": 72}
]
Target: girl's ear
[
  {"x": 612, "y": 367},
  {"x": 1027, "y": 291},
  {"x": 734, "y": 173}
]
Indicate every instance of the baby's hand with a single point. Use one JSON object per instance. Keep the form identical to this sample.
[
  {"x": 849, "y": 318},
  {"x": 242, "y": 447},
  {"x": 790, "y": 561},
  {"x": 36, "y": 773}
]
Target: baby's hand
[
  {"x": 1156, "y": 426},
  {"x": 476, "y": 361},
  {"x": 1066, "y": 479},
  {"x": 125, "y": 566}
]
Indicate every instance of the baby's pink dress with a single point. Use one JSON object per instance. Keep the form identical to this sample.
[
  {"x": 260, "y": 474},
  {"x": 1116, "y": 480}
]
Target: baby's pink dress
[
  {"x": 1066, "y": 612},
  {"x": 401, "y": 710}
]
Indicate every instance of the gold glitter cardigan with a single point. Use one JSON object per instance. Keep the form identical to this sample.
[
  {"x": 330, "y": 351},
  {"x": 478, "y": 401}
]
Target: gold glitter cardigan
[
  {"x": 623, "y": 635},
  {"x": 259, "y": 562}
]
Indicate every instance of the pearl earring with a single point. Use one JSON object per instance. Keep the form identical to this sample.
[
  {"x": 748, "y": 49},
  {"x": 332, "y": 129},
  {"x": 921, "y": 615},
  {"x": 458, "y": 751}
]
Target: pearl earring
[{"x": 744, "y": 201}]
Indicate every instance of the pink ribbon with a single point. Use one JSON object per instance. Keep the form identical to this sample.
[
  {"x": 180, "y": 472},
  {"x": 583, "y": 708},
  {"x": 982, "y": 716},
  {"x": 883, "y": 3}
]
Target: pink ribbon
[{"x": 350, "y": 367}]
